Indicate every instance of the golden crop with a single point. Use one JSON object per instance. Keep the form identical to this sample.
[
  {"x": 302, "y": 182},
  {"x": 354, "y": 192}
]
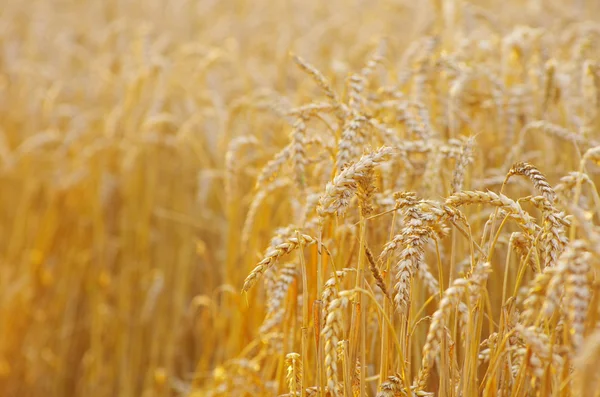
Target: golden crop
[{"x": 300, "y": 198}]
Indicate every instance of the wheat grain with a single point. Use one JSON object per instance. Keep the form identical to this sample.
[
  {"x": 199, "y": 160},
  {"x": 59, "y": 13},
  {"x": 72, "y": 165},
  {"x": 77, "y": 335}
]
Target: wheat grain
[
  {"x": 411, "y": 257},
  {"x": 392, "y": 387},
  {"x": 352, "y": 139},
  {"x": 577, "y": 296},
  {"x": 542, "y": 352},
  {"x": 464, "y": 159},
  {"x": 536, "y": 177},
  {"x": 477, "y": 197},
  {"x": 294, "y": 372},
  {"x": 450, "y": 300},
  {"x": 375, "y": 271},
  {"x": 274, "y": 254},
  {"x": 277, "y": 294},
  {"x": 344, "y": 185},
  {"x": 331, "y": 331},
  {"x": 298, "y": 142},
  {"x": 272, "y": 167}
]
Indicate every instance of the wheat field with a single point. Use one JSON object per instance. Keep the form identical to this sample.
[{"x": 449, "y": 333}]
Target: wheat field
[{"x": 299, "y": 198}]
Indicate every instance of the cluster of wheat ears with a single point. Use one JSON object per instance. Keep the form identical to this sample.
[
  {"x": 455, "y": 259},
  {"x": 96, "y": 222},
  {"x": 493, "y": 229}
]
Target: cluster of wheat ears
[
  {"x": 299, "y": 198},
  {"x": 400, "y": 273}
]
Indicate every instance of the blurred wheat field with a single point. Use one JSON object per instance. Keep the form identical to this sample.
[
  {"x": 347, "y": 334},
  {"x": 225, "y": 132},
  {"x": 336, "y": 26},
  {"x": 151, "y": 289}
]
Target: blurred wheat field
[{"x": 341, "y": 198}]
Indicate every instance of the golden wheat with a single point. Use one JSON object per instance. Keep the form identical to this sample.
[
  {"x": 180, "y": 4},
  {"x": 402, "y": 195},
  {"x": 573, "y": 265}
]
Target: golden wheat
[{"x": 180, "y": 178}]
